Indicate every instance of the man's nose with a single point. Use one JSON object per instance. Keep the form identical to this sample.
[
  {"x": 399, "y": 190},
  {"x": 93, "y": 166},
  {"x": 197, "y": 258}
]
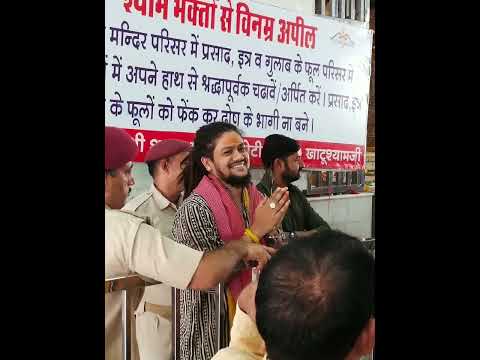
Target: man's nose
[{"x": 238, "y": 156}]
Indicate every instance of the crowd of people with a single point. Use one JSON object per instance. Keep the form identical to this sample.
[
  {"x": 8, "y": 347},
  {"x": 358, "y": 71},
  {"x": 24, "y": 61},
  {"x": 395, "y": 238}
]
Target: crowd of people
[{"x": 294, "y": 288}]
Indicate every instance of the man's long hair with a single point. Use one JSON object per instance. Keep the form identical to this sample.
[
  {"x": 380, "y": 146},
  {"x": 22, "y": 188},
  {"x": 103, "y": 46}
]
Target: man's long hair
[
  {"x": 204, "y": 144},
  {"x": 315, "y": 297}
]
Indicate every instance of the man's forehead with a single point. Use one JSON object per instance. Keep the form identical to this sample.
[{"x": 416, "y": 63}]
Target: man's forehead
[{"x": 230, "y": 139}]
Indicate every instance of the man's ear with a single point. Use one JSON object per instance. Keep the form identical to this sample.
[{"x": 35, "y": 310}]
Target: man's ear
[
  {"x": 278, "y": 164},
  {"x": 163, "y": 164},
  {"x": 207, "y": 163}
]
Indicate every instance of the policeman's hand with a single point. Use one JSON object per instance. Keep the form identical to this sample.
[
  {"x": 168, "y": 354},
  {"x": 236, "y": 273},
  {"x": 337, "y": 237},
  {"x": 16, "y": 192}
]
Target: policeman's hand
[
  {"x": 258, "y": 255},
  {"x": 270, "y": 212}
]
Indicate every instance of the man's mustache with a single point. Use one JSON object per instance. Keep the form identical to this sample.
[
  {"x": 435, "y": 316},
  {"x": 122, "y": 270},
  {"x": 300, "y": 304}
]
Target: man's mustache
[{"x": 238, "y": 162}]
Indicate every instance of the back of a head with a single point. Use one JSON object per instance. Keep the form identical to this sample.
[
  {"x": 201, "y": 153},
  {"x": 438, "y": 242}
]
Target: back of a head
[
  {"x": 203, "y": 145},
  {"x": 315, "y": 297}
]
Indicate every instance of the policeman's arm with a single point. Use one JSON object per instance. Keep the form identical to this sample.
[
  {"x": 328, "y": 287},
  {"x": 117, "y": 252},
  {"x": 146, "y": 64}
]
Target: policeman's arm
[
  {"x": 162, "y": 259},
  {"x": 157, "y": 257},
  {"x": 216, "y": 266}
]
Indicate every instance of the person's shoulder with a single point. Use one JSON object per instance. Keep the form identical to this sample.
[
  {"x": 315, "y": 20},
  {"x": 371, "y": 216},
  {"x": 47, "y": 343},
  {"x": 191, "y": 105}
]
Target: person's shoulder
[
  {"x": 297, "y": 194},
  {"x": 124, "y": 216},
  {"x": 194, "y": 201},
  {"x": 294, "y": 189},
  {"x": 139, "y": 201}
]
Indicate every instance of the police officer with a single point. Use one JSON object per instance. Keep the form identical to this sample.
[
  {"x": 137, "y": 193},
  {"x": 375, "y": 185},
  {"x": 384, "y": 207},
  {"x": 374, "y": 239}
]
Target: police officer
[{"x": 153, "y": 317}]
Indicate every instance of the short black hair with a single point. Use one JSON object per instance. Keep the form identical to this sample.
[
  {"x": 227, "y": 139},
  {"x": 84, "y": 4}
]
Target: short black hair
[
  {"x": 315, "y": 297},
  {"x": 277, "y": 146}
]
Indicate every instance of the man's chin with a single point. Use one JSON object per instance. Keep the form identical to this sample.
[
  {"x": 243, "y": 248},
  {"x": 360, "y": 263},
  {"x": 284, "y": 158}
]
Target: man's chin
[
  {"x": 239, "y": 175},
  {"x": 239, "y": 181}
]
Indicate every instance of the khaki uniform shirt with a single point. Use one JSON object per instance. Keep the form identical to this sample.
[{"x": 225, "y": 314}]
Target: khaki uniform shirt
[
  {"x": 154, "y": 332},
  {"x": 133, "y": 246}
]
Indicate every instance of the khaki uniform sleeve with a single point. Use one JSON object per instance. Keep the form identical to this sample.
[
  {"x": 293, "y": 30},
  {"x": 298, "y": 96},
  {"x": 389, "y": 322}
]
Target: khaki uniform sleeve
[{"x": 160, "y": 258}]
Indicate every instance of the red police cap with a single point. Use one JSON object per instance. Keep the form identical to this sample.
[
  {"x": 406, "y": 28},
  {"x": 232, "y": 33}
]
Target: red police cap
[
  {"x": 119, "y": 148},
  {"x": 166, "y": 148}
]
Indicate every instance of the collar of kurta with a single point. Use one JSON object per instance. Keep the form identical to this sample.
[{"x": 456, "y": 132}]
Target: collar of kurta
[{"x": 162, "y": 201}]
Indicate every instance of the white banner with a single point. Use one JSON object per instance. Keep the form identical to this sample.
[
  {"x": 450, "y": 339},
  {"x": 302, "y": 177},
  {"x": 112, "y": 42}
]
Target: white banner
[{"x": 175, "y": 65}]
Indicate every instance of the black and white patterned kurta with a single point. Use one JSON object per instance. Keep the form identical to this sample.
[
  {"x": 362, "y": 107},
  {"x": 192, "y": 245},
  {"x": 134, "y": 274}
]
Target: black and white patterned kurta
[{"x": 194, "y": 226}]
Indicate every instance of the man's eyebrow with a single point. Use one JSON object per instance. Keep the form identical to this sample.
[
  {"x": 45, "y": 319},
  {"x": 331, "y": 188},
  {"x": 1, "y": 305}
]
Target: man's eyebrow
[{"x": 231, "y": 146}]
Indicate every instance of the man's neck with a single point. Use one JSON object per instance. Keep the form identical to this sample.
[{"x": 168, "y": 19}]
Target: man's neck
[
  {"x": 236, "y": 193},
  {"x": 278, "y": 180},
  {"x": 171, "y": 196}
]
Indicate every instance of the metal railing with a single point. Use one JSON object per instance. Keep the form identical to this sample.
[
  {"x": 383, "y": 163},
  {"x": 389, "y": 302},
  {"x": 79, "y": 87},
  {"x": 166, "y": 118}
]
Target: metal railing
[
  {"x": 125, "y": 284},
  {"x": 128, "y": 283}
]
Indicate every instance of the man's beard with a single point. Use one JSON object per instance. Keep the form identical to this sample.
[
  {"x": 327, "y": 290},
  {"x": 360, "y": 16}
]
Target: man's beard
[
  {"x": 235, "y": 180},
  {"x": 289, "y": 176},
  {"x": 238, "y": 181}
]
